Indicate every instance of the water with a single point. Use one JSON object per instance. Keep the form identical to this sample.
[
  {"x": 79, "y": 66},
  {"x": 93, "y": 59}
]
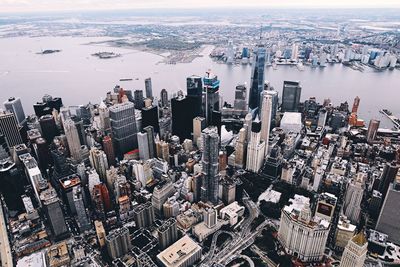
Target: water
[{"x": 78, "y": 77}]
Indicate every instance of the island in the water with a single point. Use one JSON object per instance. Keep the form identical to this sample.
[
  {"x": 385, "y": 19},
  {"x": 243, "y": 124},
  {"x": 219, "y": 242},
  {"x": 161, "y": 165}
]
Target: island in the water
[
  {"x": 49, "y": 51},
  {"x": 106, "y": 55}
]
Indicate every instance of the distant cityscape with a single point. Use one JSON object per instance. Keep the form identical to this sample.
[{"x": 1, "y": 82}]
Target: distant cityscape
[{"x": 140, "y": 179}]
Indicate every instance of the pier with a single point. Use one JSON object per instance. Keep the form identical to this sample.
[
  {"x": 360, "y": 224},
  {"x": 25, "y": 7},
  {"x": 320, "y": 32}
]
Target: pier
[{"x": 390, "y": 116}]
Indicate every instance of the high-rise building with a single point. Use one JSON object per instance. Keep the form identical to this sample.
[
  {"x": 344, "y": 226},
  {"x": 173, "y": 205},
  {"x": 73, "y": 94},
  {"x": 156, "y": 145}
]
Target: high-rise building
[
  {"x": 138, "y": 99},
  {"x": 143, "y": 143},
  {"x": 49, "y": 127},
  {"x": 356, "y": 103},
  {"x": 100, "y": 232},
  {"x": 81, "y": 214},
  {"x": 167, "y": 233},
  {"x": 388, "y": 176},
  {"x": 257, "y": 77},
  {"x": 123, "y": 126},
  {"x": 14, "y": 105},
  {"x": 228, "y": 192},
  {"x": 53, "y": 210},
  {"x": 209, "y": 163},
  {"x": 372, "y": 131},
  {"x": 301, "y": 234},
  {"x": 143, "y": 215},
  {"x": 118, "y": 242},
  {"x": 10, "y": 129},
  {"x": 149, "y": 88},
  {"x": 211, "y": 88},
  {"x": 389, "y": 217},
  {"x": 4, "y": 149},
  {"x": 194, "y": 87},
  {"x": 291, "y": 96},
  {"x": 164, "y": 98},
  {"x": 98, "y": 161},
  {"x": 266, "y": 120},
  {"x": 73, "y": 140},
  {"x": 241, "y": 149},
  {"x": 109, "y": 150},
  {"x": 199, "y": 123},
  {"x": 150, "y": 117},
  {"x": 255, "y": 148},
  {"x": 150, "y": 139},
  {"x": 161, "y": 193},
  {"x": 355, "y": 252},
  {"x": 240, "y": 97},
  {"x": 182, "y": 116},
  {"x": 354, "y": 196},
  {"x": 275, "y": 104},
  {"x": 210, "y": 217}
]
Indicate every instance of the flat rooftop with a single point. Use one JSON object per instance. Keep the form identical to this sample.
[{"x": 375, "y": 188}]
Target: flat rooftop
[{"x": 178, "y": 252}]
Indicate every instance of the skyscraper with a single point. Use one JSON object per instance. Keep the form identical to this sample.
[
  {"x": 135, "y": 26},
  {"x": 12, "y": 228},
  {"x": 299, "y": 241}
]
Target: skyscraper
[
  {"x": 275, "y": 104},
  {"x": 81, "y": 214},
  {"x": 49, "y": 127},
  {"x": 372, "y": 131},
  {"x": 257, "y": 77},
  {"x": 98, "y": 161},
  {"x": 388, "y": 176},
  {"x": 266, "y": 120},
  {"x": 355, "y": 252},
  {"x": 240, "y": 97},
  {"x": 150, "y": 140},
  {"x": 291, "y": 96},
  {"x": 182, "y": 116},
  {"x": 209, "y": 163},
  {"x": 354, "y": 196},
  {"x": 255, "y": 148},
  {"x": 73, "y": 140},
  {"x": 53, "y": 210},
  {"x": 14, "y": 105},
  {"x": 164, "y": 98},
  {"x": 118, "y": 242},
  {"x": 109, "y": 150},
  {"x": 123, "y": 126},
  {"x": 10, "y": 129},
  {"x": 194, "y": 87},
  {"x": 389, "y": 217},
  {"x": 241, "y": 149},
  {"x": 150, "y": 117},
  {"x": 199, "y": 123},
  {"x": 211, "y": 88},
  {"x": 167, "y": 233},
  {"x": 143, "y": 215},
  {"x": 138, "y": 98},
  {"x": 149, "y": 88},
  {"x": 143, "y": 144},
  {"x": 4, "y": 149},
  {"x": 356, "y": 103}
]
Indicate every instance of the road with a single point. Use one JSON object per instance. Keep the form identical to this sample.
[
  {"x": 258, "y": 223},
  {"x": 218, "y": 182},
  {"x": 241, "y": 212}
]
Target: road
[{"x": 5, "y": 250}]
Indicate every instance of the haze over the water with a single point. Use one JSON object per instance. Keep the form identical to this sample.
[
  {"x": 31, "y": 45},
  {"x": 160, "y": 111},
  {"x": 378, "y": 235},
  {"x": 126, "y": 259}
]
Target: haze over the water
[{"x": 63, "y": 5}]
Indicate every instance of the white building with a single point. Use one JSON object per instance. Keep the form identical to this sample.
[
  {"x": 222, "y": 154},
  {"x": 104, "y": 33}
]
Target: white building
[
  {"x": 354, "y": 196},
  {"x": 266, "y": 119},
  {"x": 255, "y": 149},
  {"x": 355, "y": 252},
  {"x": 184, "y": 252},
  {"x": 232, "y": 212},
  {"x": 291, "y": 122}
]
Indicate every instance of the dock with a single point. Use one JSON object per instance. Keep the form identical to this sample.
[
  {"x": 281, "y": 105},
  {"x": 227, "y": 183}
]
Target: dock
[{"x": 390, "y": 116}]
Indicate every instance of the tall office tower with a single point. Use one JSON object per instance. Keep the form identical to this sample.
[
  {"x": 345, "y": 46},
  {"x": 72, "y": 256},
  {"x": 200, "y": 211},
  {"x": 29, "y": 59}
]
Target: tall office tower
[
  {"x": 291, "y": 96},
  {"x": 165, "y": 123},
  {"x": 150, "y": 140},
  {"x": 49, "y": 127},
  {"x": 41, "y": 109},
  {"x": 33, "y": 174},
  {"x": 167, "y": 233},
  {"x": 81, "y": 214},
  {"x": 109, "y": 150},
  {"x": 53, "y": 211},
  {"x": 84, "y": 113},
  {"x": 183, "y": 114},
  {"x": 10, "y": 129},
  {"x": 143, "y": 215},
  {"x": 72, "y": 135},
  {"x": 43, "y": 154},
  {"x": 240, "y": 97},
  {"x": 255, "y": 148},
  {"x": 355, "y": 252},
  {"x": 211, "y": 88},
  {"x": 53, "y": 102},
  {"x": 266, "y": 120},
  {"x": 194, "y": 87},
  {"x": 228, "y": 191},
  {"x": 209, "y": 163},
  {"x": 356, "y": 103},
  {"x": 354, "y": 196},
  {"x": 241, "y": 149},
  {"x": 210, "y": 217},
  {"x": 98, "y": 161},
  {"x": 4, "y": 149},
  {"x": 80, "y": 128},
  {"x": 257, "y": 77},
  {"x": 275, "y": 104},
  {"x": 199, "y": 123},
  {"x": 123, "y": 126},
  {"x": 143, "y": 143},
  {"x": 389, "y": 174},
  {"x": 118, "y": 242},
  {"x": 139, "y": 99},
  {"x": 161, "y": 193},
  {"x": 150, "y": 117},
  {"x": 164, "y": 98},
  {"x": 248, "y": 121},
  {"x": 14, "y": 105},
  {"x": 162, "y": 150},
  {"x": 100, "y": 233},
  {"x": 300, "y": 233},
  {"x": 149, "y": 88},
  {"x": 372, "y": 131},
  {"x": 67, "y": 184},
  {"x": 389, "y": 217},
  {"x": 196, "y": 186},
  {"x": 104, "y": 114},
  {"x": 100, "y": 199}
]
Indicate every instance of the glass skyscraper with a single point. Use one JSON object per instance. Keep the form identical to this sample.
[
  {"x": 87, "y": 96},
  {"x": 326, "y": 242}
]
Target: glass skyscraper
[{"x": 257, "y": 78}]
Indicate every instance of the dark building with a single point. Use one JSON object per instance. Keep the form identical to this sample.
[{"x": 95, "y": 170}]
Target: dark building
[
  {"x": 10, "y": 128},
  {"x": 372, "y": 130},
  {"x": 54, "y": 212},
  {"x": 150, "y": 140},
  {"x": 164, "y": 98},
  {"x": 138, "y": 99},
  {"x": 182, "y": 116},
  {"x": 49, "y": 127},
  {"x": 41, "y": 109},
  {"x": 150, "y": 118},
  {"x": 149, "y": 88},
  {"x": 85, "y": 114},
  {"x": 4, "y": 149},
  {"x": 79, "y": 124},
  {"x": 388, "y": 176},
  {"x": 209, "y": 163},
  {"x": 109, "y": 150},
  {"x": 211, "y": 87},
  {"x": 42, "y": 154},
  {"x": 291, "y": 96},
  {"x": 273, "y": 164},
  {"x": 194, "y": 87},
  {"x": 257, "y": 77},
  {"x": 47, "y": 105}
]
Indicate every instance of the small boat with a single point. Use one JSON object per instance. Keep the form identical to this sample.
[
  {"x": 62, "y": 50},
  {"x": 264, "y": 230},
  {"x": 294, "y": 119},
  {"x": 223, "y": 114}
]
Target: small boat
[{"x": 125, "y": 79}]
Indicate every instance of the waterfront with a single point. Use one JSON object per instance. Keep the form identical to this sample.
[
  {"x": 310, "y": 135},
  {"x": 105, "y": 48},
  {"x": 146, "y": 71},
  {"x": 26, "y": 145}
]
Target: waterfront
[{"x": 78, "y": 78}]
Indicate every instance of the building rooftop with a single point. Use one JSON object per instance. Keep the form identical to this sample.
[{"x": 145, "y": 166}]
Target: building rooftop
[{"x": 178, "y": 252}]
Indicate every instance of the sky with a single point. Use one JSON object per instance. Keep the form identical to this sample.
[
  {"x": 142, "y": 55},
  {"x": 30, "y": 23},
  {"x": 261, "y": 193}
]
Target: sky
[{"x": 66, "y": 5}]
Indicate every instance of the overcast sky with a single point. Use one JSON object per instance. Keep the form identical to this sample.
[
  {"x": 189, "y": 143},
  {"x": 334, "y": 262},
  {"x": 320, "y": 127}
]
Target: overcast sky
[{"x": 47, "y": 5}]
